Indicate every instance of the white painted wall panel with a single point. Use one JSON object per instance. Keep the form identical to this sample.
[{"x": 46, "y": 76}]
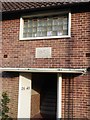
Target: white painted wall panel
[{"x": 24, "y": 101}]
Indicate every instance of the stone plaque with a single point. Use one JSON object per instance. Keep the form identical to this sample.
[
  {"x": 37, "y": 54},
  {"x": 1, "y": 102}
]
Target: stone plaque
[{"x": 43, "y": 52}]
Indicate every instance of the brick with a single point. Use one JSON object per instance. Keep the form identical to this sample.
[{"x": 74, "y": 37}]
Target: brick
[{"x": 66, "y": 53}]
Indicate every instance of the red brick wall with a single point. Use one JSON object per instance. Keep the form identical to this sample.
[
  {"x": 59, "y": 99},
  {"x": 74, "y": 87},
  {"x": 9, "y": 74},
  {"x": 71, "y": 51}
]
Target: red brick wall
[
  {"x": 76, "y": 96},
  {"x": 0, "y": 43},
  {"x": 66, "y": 53},
  {"x": 10, "y": 84}
]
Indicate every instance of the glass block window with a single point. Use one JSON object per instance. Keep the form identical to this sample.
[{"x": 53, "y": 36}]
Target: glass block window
[{"x": 48, "y": 26}]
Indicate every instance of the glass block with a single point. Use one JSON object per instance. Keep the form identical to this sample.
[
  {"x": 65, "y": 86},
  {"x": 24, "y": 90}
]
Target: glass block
[
  {"x": 34, "y": 30},
  {"x": 65, "y": 32},
  {"x": 29, "y": 35},
  {"x": 54, "y": 33},
  {"x": 59, "y": 33},
  {"x": 34, "y": 23},
  {"x": 38, "y": 34},
  {"x": 60, "y": 28},
  {"x": 46, "y": 26},
  {"x": 29, "y": 26},
  {"x": 55, "y": 21},
  {"x": 49, "y": 28},
  {"x": 55, "y": 28},
  {"x": 30, "y": 23},
  {"x": 44, "y": 23},
  {"x": 39, "y": 29},
  {"x": 49, "y": 33},
  {"x": 65, "y": 27},
  {"x": 25, "y": 30},
  {"x": 41, "y": 22},
  {"x": 25, "y": 25},
  {"x": 60, "y": 22},
  {"x": 30, "y": 30},
  {"x": 49, "y": 22},
  {"x": 41, "y": 35},
  {"x": 38, "y": 23},
  {"x": 24, "y": 35},
  {"x": 65, "y": 21},
  {"x": 44, "y": 29},
  {"x": 44, "y": 34},
  {"x": 33, "y": 34}
]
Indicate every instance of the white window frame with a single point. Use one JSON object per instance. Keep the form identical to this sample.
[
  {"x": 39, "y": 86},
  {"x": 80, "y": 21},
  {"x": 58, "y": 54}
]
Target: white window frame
[{"x": 45, "y": 37}]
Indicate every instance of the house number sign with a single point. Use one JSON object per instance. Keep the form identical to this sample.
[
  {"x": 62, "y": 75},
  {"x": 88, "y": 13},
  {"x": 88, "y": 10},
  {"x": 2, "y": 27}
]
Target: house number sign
[{"x": 25, "y": 88}]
